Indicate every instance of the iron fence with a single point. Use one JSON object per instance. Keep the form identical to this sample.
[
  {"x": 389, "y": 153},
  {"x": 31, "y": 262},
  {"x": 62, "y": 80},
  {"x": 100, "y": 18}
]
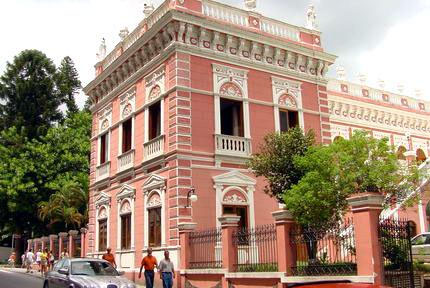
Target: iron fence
[
  {"x": 324, "y": 251},
  {"x": 205, "y": 249},
  {"x": 256, "y": 249},
  {"x": 395, "y": 237}
]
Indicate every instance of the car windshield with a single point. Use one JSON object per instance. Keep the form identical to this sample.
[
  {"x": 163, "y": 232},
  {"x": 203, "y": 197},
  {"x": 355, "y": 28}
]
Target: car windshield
[{"x": 93, "y": 268}]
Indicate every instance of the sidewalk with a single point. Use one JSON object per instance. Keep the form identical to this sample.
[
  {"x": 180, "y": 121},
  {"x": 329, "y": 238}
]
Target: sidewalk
[{"x": 37, "y": 274}]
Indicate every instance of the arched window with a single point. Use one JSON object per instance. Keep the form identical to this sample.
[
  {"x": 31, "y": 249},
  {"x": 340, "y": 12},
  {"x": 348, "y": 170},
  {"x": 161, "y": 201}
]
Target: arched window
[
  {"x": 154, "y": 219},
  {"x": 421, "y": 156},
  {"x": 125, "y": 214},
  {"x": 400, "y": 153},
  {"x": 103, "y": 228}
]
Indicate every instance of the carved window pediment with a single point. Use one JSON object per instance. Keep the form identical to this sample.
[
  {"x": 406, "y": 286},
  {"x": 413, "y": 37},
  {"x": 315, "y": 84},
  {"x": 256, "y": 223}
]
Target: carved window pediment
[
  {"x": 125, "y": 207},
  {"x": 126, "y": 191},
  {"x": 104, "y": 118},
  {"x": 155, "y": 84},
  {"x": 154, "y": 200},
  {"x": 102, "y": 213},
  {"x": 230, "y": 81},
  {"x": 154, "y": 182},
  {"x": 234, "y": 178},
  {"x": 128, "y": 103},
  {"x": 103, "y": 199}
]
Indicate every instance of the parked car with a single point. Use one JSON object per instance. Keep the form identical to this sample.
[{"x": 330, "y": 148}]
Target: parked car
[
  {"x": 336, "y": 284},
  {"x": 85, "y": 273},
  {"x": 421, "y": 247}
]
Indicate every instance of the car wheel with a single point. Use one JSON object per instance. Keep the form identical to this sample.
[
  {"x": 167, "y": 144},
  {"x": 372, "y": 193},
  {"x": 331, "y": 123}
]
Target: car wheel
[{"x": 46, "y": 284}]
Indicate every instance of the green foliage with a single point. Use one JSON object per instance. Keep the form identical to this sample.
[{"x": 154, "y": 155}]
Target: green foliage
[
  {"x": 332, "y": 173},
  {"x": 32, "y": 171},
  {"x": 29, "y": 94},
  {"x": 275, "y": 161},
  {"x": 68, "y": 83}
]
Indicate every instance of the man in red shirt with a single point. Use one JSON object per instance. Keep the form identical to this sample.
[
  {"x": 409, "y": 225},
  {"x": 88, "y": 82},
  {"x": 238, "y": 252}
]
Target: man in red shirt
[
  {"x": 149, "y": 262},
  {"x": 109, "y": 257}
]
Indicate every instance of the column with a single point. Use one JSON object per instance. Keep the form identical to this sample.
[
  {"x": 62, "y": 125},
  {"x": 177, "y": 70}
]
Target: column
[
  {"x": 366, "y": 209},
  {"x": 36, "y": 244},
  {"x": 61, "y": 237},
  {"x": 29, "y": 244},
  {"x": 286, "y": 251},
  {"x": 45, "y": 243},
  {"x": 84, "y": 242},
  {"x": 229, "y": 224},
  {"x": 184, "y": 235},
  {"x": 52, "y": 239},
  {"x": 73, "y": 234}
]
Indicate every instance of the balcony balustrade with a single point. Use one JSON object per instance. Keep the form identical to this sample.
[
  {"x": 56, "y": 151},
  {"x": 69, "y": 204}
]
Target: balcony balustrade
[
  {"x": 126, "y": 161},
  {"x": 232, "y": 146},
  {"x": 153, "y": 148},
  {"x": 102, "y": 171}
]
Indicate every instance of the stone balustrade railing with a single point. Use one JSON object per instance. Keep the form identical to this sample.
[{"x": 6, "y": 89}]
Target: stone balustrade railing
[
  {"x": 153, "y": 148},
  {"x": 126, "y": 161},
  {"x": 232, "y": 145},
  {"x": 102, "y": 171}
]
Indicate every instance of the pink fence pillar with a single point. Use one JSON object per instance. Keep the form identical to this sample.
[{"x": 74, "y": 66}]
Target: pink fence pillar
[
  {"x": 366, "y": 209},
  {"x": 83, "y": 242},
  {"x": 45, "y": 243},
  {"x": 286, "y": 252},
  {"x": 229, "y": 224},
  {"x": 184, "y": 235},
  {"x": 29, "y": 244},
  {"x": 52, "y": 239},
  {"x": 61, "y": 237},
  {"x": 73, "y": 234},
  {"x": 36, "y": 243}
]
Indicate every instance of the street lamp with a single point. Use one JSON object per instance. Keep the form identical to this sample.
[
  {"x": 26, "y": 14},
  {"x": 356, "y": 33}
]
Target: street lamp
[{"x": 191, "y": 197}]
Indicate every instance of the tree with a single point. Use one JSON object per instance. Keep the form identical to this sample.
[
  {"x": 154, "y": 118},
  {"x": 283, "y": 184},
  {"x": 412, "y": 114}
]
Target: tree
[
  {"x": 68, "y": 83},
  {"x": 31, "y": 171},
  {"x": 29, "y": 96},
  {"x": 341, "y": 169},
  {"x": 275, "y": 161}
]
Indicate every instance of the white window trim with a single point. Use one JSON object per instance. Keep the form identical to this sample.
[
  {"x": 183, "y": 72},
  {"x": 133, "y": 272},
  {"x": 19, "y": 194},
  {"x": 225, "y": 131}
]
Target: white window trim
[
  {"x": 132, "y": 117},
  {"x": 234, "y": 180},
  {"x": 97, "y": 226},
  {"x": 146, "y": 116},
  {"x": 126, "y": 193},
  {"x": 154, "y": 184},
  {"x": 279, "y": 88}
]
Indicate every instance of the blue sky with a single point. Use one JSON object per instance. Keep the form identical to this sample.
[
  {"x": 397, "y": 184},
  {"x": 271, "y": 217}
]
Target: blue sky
[{"x": 386, "y": 39}]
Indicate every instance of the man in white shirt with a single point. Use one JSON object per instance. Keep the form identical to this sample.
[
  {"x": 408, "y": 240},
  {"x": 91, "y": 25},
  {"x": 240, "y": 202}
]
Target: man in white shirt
[
  {"x": 29, "y": 258},
  {"x": 38, "y": 254}
]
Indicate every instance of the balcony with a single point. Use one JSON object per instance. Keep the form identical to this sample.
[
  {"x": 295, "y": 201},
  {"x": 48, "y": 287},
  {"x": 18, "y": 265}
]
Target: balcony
[
  {"x": 153, "y": 148},
  {"x": 102, "y": 171},
  {"x": 126, "y": 161},
  {"x": 232, "y": 146}
]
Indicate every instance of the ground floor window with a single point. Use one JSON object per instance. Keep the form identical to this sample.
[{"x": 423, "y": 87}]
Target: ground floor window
[
  {"x": 102, "y": 235},
  {"x": 126, "y": 231},
  {"x": 154, "y": 217}
]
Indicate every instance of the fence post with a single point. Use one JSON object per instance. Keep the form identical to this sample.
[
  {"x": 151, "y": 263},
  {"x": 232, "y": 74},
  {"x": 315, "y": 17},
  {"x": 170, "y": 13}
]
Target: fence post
[
  {"x": 83, "y": 242},
  {"x": 61, "y": 237},
  {"x": 286, "y": 251},
  {"x": 366, "y": 209},
  {"x": 229, "y": 224},
  {"x": 184, "y": 236},
  {"x": 36, "y": 244},
  {"x": 73, "y": 234},
  {"x": 29, "y": 244},
  {"x": 52, "y": 239},
  {"x": 45, "y": 242}
]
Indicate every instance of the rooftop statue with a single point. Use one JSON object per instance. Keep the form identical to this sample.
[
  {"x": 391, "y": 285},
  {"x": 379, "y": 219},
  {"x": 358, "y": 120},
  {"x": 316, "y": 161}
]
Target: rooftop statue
[
  {"x": 311, "y": 22},
  {"x": 251, "y": 4},
  {"x": 148, "y": 9},
  {"x": 102, "y": 50}
]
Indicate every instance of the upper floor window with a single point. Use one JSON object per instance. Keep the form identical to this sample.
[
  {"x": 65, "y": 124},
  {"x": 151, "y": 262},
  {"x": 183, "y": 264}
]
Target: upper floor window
[
  {"x": 104, "y": 148},
  {"x": 231, "y": 117},
  {"x": 154, "y": 120},
  {"x": 127, "y": 127},
  {"x": 288, "y": 119}
]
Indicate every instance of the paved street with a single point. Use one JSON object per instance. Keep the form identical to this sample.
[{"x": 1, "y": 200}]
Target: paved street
[{"x": 9, "y": 279}]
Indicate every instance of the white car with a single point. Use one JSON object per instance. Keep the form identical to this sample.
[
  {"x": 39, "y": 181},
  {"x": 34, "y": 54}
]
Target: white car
[{"x": 421, "y": 247}]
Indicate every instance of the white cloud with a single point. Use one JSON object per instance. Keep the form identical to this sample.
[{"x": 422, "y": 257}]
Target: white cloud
[{"x": 401, "y": 57}]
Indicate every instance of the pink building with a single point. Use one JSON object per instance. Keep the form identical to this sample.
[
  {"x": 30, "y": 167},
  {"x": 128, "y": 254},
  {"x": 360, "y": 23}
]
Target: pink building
[{"x": 184, "y": 100}]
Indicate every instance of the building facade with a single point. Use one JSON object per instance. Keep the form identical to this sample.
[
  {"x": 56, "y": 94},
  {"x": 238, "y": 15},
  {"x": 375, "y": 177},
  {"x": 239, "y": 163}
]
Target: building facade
[{"x": 182, "y": 102}]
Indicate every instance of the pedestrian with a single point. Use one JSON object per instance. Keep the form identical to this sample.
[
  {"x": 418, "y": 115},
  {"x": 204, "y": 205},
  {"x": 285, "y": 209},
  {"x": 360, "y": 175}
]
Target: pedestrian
[
  {"x": 64, "y": 254},
  {"x": 29, "y": 259},
  {"x": 167, "y": 271},
  {"x": 149, "y": 262},
  {"x": 23, "y": 260},
  {"x": 51, "y": 260},
  {"x": 38, "y": 253},
  {"x": 108, "y": 256},
  {"x": 12, "y": 259}
]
